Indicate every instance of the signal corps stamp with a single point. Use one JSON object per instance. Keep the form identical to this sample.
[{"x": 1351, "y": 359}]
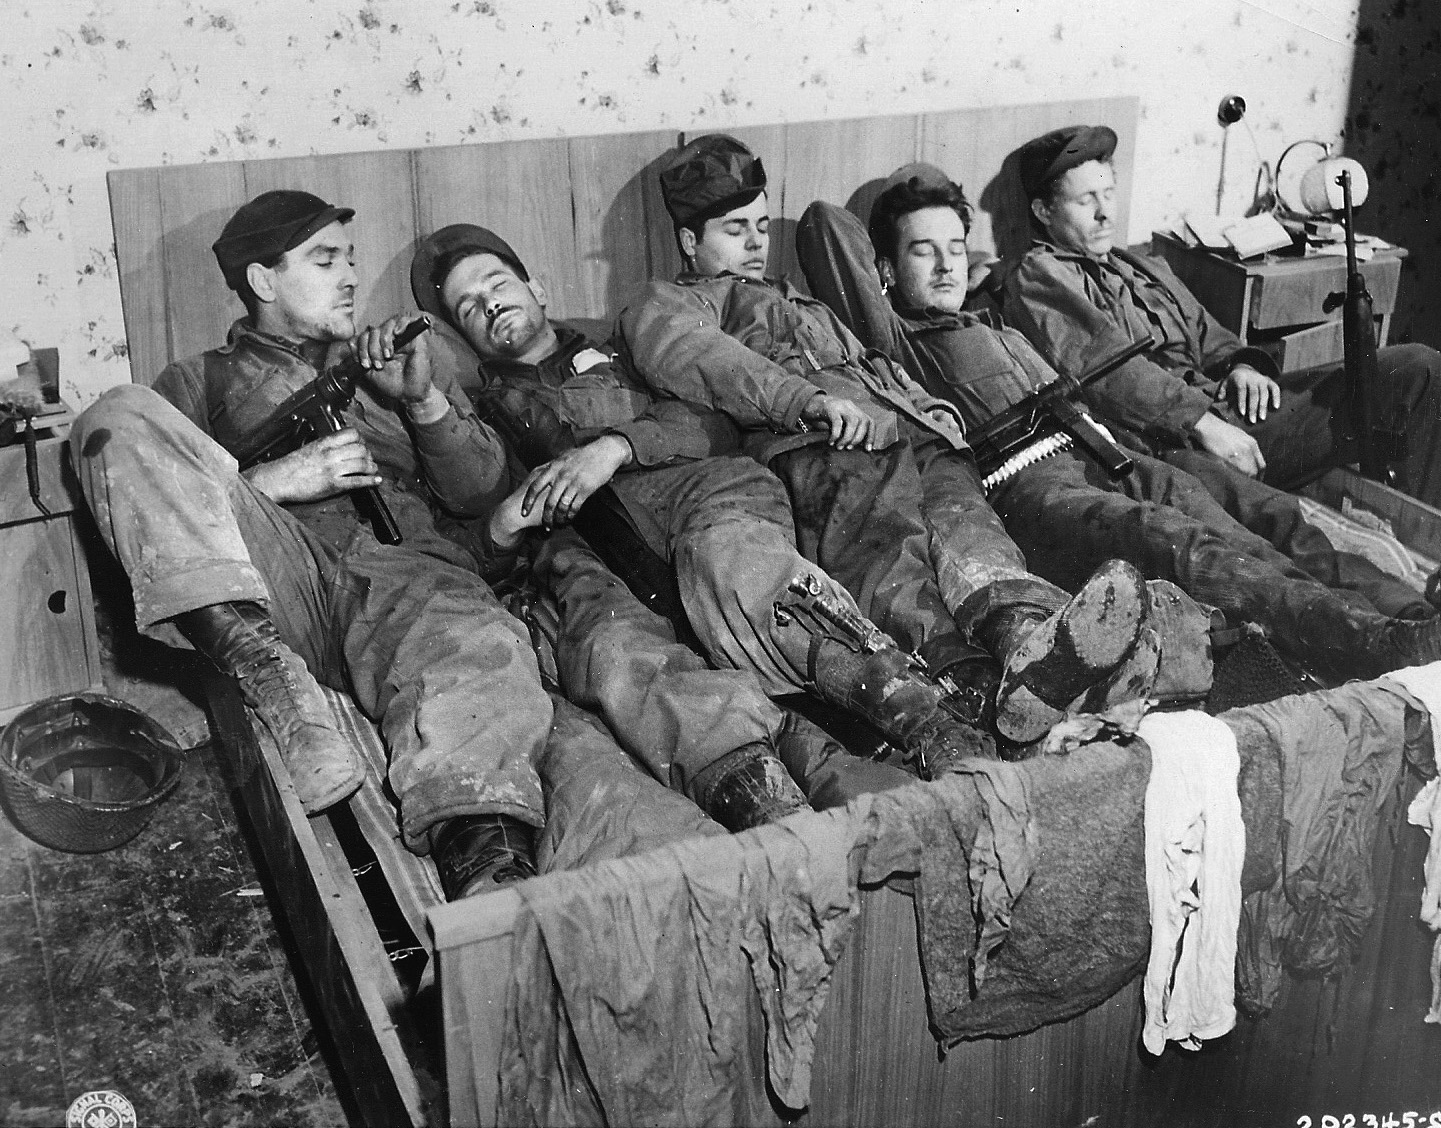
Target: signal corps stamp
[{"x": 100, "y": 1108}]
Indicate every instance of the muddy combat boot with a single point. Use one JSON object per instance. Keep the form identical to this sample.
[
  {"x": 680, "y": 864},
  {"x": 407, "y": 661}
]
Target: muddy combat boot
[
  {"x": 241, "y": 640},
  {"x": 481, "y": 853},
  {"x": 1184, "y": 630},
  {"x": 1055, "y": 661},
  {"x": 853, "y": 664},
  {"x": 883, "y": 688},
  {"x": 748, "y": 787}
]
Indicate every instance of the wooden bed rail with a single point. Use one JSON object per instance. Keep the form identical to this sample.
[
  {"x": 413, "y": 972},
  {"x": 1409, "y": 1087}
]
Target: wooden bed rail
[
  {"x": 360, "y": 996},
  {"x": 473, "y": 942}
]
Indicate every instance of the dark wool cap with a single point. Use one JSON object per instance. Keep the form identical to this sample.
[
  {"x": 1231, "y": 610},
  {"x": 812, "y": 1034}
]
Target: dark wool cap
[
  {"x": 1044, "y": 158},
  {"x": 270, "y": 225},
  {"x": 709, "y": 177},
  {"x": 920, "y": 173},
  {"x": 460, "y": 240}
]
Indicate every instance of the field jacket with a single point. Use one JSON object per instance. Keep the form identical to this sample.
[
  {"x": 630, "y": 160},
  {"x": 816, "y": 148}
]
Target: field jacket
[
  {"x": 1077, "y": 309},
  {"x": 452, "y": 470},
  {"x": 760, "y": 351}
]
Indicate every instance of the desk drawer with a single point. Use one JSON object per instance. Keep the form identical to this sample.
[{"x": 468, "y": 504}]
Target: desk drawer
[
  {"x": 1295, "y": 293},
  {"x": 1306, "y": 348}
]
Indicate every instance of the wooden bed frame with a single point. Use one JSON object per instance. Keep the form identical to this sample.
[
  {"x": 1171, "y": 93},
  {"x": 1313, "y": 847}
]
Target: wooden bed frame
[{"x": 585, "y": 215}]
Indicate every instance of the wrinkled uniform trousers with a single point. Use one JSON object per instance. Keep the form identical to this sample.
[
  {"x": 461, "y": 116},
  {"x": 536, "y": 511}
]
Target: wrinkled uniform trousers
[
  {"x": 1277, "y": 517},
  {"x": 421, "y": 644},
  {"x": 982, "y": 372},
  {"x": 1310, "y": 431},
  {"x": 667, "y": 708},
  {"x": 1068, "y": 516},
  {"x": 908, "y": 532},
  {"x": 725, "y": 525}
]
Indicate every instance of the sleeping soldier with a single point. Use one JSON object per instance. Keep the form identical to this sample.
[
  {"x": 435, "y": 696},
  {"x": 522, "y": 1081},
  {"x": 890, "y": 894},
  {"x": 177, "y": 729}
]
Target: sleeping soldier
[
  {"x": 884, "y": 493},
  {"x": 1077, "y": 295},
  {"x": 902, "y": 290},
  {"x": 273, "y": 575},
  {"x": 717, "y": 520}
]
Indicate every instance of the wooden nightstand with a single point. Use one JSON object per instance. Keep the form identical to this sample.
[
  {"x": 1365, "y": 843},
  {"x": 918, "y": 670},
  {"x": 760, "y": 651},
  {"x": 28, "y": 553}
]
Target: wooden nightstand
[
  {"x": 1277, "y": 302},
  {"x": 48, "y": 643}
]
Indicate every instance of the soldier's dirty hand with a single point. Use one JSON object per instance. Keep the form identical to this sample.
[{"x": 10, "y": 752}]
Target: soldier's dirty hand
[
  {"x": 947, "y": 420},
  {"x": 329, "y": 466},
  {"x": 403, "y": 374},
  {"x": 565, "y": 483},
  {"x": 1230, "y": 444},
  {"x": 850, "y": 427},
  {"x": 1252, "y": 394},
  {"x": 512, "y": 517}
]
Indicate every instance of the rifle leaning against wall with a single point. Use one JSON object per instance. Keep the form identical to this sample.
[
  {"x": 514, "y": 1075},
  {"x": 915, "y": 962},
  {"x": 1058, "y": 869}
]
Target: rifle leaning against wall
[
  {"x": 1049, "y": 420},
  {"x": 314, "y": 411},
  {"x": 1379, "y": 425}
]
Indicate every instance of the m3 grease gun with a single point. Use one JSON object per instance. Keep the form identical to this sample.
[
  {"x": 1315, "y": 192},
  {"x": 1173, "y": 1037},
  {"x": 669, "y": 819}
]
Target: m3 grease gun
[
  {"x": 315, "y": 410},
  {"x": 1049, "y": 420}
]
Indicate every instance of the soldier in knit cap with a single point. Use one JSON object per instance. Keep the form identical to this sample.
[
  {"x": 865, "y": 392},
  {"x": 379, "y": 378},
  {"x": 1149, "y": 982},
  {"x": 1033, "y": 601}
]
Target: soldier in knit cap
[{"x": 884, "y": 490}]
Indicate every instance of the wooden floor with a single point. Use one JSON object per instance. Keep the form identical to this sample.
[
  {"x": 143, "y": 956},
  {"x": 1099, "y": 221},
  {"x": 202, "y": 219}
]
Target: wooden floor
[{"x": 155, "y": 970}]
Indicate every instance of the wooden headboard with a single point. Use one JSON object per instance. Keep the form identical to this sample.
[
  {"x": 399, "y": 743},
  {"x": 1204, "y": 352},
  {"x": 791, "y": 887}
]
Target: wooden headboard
[{"x": 583, "y": 213}]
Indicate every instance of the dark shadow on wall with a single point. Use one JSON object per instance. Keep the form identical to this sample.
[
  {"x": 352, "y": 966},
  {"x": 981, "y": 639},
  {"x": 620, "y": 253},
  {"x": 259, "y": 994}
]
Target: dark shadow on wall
[
  {"x": 637, "y": 207},
  {"x": 1393, "y": 127}
]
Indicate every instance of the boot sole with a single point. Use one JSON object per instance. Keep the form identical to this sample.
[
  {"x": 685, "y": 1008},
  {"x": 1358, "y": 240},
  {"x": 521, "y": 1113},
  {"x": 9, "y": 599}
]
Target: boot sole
[
  {"x": 1134, "y": 678},
  {"x": 316, "y": 799},
  {"x": 323, "y": 786},
  {"x": 1072, "y": 652}
]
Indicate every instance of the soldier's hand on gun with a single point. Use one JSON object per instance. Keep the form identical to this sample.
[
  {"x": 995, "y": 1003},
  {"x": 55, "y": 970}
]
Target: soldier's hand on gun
[
  {"x": 405, "y": 375},
  {"x": 1230, "y": 444},
  {"x": 850, "y": 427},
  {"x": 1252, "y": 394},
  {"x": 330, "y": 465},
  {"x": 558, "y": 489}
]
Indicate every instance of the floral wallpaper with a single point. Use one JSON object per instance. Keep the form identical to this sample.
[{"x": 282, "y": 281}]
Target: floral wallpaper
[{"x": 93, "y": 85}]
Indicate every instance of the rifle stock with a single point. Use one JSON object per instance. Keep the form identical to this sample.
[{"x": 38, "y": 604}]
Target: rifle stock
[
  {"x": 1381, "y": 436},
  {"x": 315, "y": 410}
]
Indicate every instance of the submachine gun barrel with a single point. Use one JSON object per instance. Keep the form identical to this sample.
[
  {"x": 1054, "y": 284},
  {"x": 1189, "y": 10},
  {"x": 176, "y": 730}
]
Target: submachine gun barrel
[{"x": 315, "y": 410}]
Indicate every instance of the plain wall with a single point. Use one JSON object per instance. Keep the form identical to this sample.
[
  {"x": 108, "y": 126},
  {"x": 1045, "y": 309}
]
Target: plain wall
[{"x": 91, "y": 85}]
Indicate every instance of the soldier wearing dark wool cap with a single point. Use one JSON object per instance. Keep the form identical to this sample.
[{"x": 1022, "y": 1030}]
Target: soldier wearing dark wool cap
[
  {"x": 274, "y": 576},
  {"x": 885, "y": 491},
  {"x": 903, "y": 291},
  {"x": 1200, "y": 393}
]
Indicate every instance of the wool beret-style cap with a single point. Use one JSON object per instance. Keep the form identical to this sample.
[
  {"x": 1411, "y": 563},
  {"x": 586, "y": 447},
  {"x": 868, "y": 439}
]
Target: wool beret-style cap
[
  {"x": 924, "y": 175},
  {"x": 1044, "y": 158},
  {"x": 458, "y": 238},
  {"x": 268, "y": 226},
  {"x": 709, "y": 177}
]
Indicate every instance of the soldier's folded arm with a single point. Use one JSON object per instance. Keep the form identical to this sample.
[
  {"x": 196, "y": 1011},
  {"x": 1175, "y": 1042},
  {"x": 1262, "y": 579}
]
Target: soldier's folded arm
[{"x": 679, "y": 349}]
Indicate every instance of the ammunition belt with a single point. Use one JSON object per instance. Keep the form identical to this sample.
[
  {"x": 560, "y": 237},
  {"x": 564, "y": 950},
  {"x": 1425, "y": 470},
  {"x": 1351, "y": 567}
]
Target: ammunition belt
[{"x": 1028, "y": 455}]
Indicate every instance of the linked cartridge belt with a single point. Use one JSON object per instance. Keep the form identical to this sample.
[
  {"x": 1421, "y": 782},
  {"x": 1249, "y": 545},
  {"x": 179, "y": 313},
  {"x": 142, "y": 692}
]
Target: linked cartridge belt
[{"x": 1027, "y": 456}]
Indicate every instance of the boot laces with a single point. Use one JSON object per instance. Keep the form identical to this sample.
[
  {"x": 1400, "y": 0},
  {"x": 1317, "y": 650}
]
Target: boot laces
[{"x": 269, "y": 681}]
